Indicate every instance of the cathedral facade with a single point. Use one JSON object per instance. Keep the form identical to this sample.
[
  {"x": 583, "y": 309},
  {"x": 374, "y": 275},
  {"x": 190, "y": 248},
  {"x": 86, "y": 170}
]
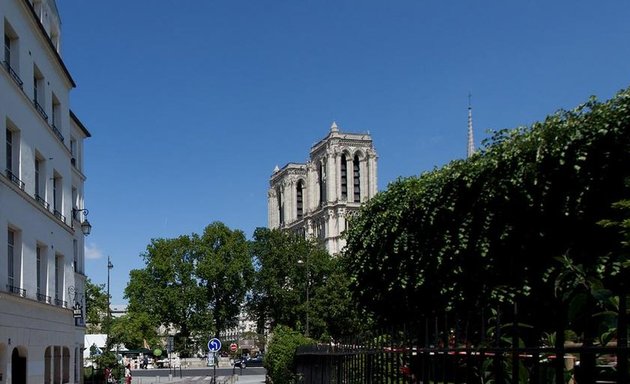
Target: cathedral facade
[{"x": 315, "y": 199}]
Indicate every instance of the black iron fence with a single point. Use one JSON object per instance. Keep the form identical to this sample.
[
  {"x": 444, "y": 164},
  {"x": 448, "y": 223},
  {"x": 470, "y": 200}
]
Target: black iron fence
[{"x": 502, "y": 349}]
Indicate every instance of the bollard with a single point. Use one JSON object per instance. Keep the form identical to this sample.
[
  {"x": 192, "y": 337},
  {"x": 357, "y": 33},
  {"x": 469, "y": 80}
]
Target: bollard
[
  {"x": 157, "y": 378},
  {"x": 170, "y": 377}
]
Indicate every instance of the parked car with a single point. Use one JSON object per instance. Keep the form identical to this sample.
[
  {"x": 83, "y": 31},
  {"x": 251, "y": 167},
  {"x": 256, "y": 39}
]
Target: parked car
[{"x": 249, "y": 362}]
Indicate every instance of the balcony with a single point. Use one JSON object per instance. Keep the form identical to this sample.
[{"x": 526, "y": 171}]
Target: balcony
[
  {"x": 14, "y": 75},
  {"x": 57, "y": 132},
  {"x": 43, "y": 298},
  {"x": 42, "y": 202},
  {"x": 40, "y": 109},
  {"x": 59, "y": 216},
  {"x": 14, "y": 179},
  {"x": 16, "y": 290},
  {"x": 61, "y": 303}
]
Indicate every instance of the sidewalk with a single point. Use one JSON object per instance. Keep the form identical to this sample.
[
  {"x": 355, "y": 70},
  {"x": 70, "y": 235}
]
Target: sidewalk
[{"x": 250, "y": 379}]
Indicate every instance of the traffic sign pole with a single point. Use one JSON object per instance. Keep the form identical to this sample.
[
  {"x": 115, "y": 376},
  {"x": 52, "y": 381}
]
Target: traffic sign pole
[{"x": 214, "y": 346}]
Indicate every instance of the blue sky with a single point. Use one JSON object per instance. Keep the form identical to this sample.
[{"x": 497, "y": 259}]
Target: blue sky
[{"x": 191, "y": 103}]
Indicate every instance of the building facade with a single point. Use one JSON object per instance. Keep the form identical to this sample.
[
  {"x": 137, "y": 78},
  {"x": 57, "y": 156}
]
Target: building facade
[
  {"x": 41, "y": 202},
  {"x": 316, "y": 198}
]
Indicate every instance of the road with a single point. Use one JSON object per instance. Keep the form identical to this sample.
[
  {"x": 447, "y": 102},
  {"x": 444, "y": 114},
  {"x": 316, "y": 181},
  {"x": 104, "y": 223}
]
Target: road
[{"x": 197, "y": 375}]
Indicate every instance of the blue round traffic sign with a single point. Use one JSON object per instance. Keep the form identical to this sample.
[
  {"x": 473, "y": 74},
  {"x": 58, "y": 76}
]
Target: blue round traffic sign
[{"x": 214, "y": 345}]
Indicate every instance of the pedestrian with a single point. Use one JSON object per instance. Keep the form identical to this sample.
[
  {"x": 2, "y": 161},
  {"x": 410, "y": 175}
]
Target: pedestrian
[
  {"x": 128, "y": 374},
  {"x": 108, "y": 375}
]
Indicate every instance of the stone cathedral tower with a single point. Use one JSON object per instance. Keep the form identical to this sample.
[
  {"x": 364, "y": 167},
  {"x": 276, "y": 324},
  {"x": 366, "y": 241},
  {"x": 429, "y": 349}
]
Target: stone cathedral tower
[{"x": 314, "y": 199}]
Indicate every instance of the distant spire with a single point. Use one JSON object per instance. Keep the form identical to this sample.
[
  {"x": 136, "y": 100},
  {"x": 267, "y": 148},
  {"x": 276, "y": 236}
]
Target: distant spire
[
  {"x": 333, "y": 127},
  {"x": 471, "y": 140}
]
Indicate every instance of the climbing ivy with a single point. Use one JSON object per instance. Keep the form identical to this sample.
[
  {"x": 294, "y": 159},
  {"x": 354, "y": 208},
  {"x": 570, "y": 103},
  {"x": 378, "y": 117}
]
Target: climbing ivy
[{"x": 487, "y": 229}]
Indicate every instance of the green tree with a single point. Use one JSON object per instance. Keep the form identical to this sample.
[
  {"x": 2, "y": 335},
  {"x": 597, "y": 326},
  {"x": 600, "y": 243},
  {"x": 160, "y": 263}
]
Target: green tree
[
  {"x": 96, "y": 306},
  {"x": 286, "y": 265},
  {"x": 134, "y": 329},
  {"x": 224, "y": 272},
  {"x": 277, "y": 292},
  {"x": 168, "y": 289},
  {"x": 195, "y": 284}
]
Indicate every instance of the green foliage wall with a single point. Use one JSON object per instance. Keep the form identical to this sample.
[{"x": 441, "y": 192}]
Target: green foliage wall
[
  {"x": 280, "y": 358},
  {"x": 487, "y": 228}
]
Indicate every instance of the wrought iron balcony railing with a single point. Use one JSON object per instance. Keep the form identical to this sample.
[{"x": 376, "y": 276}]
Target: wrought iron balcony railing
[
  {"x": 59, "y": 215},
  {"x": 43, "y": 298},
  {"x": 14, "y": 75},
  {"x": 14, "y": 179},
  {"x": 42, "y": 202},
  {"x": 57, "y": 132},
  {"x": 16, "y": 290},
  {"x": 40, "y": 109},
  {"x": 61, "y": 303}
]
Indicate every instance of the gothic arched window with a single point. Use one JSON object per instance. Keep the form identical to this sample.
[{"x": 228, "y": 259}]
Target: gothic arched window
[
  {"x": 322, "y": 184},
  {"x": 280, "y": 206},
  {"x": 299, "y": 194},
  {"x": 344, "y": 178},
  {"x": 357, "y": 178}
]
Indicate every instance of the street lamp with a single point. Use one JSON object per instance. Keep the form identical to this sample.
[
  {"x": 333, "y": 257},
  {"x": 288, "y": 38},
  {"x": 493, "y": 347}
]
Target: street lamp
[
  {"x": 86, "y": 227},
  {"x": 308, "y": 283},
  {"x": 109, "y": 311}
]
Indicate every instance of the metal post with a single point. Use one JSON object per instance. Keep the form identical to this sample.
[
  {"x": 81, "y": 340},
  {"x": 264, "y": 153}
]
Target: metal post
[
  {"x": 109, "y": 312},
  {"x": 308, "y": 283},
  {"x": 214, "y": 367}
]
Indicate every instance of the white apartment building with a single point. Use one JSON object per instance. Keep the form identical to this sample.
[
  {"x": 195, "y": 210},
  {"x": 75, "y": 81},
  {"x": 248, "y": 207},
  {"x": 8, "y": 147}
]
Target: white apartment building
[
  {"x": 315, "y": 199},
  {"x": 41, "y": 202}
]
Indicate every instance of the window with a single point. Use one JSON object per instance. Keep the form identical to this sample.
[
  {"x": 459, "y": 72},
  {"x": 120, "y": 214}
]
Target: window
[
  {"x": 39, "y": 179},
  {"x": 12, "y": 155},
  {"x": 322, "y": 184},
  {"x": 9, "y": 151},
  {"x": 75, "y": 252},
  {"x": 42, "y": 273},
  {"x": 11, "y": 259},
  {"x": 300, "y": 199},
  {"x": 38, "y": 175},
  {"x": 57, "y": 196},
  {"x": 73, "y": 147},
  {"x": 11, "y": 52},
  {"x": 357, "y": 179},
  {"x": 38, "y": 93},
  {"x": 344, "y": 178},
  {"x": 7, "y": 50},
  {"x": 38, "y": 252},
  {"x": 56, "y": 112},
  {"x": 280, "y": 206},
  {"x": 58, "y": 280},
  {"x": 75, "y": 204}
]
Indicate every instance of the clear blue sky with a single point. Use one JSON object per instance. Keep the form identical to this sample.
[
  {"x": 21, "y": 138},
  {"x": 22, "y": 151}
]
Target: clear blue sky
[{"x": 192, "y": 103}]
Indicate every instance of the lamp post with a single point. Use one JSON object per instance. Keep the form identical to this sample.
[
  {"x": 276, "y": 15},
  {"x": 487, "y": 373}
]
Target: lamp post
[
  {"x": 109, "y": 311},
  {"x": 308, "y": 283}
]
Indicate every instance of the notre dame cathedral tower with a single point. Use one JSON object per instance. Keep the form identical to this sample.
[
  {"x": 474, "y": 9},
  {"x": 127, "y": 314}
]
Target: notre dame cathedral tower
[{"x": 314, "y": 199}]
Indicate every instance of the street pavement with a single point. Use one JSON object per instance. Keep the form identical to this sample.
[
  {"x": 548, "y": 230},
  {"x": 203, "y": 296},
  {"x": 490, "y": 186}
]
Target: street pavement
[
  {"x": 235, "y": 379},
  {"x": 200, "y": 376}
]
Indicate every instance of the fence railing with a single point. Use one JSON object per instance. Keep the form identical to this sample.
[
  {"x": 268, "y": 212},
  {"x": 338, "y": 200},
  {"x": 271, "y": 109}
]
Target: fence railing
[{"x": 499, "y": 349}]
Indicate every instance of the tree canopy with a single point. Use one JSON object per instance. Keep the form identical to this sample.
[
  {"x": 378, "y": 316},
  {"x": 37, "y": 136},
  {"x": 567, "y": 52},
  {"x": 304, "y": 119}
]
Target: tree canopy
[
  {"x": 194, "y": 284},
  {"x": 96, "y": 301},
  {"x": 285, "y": 265}
]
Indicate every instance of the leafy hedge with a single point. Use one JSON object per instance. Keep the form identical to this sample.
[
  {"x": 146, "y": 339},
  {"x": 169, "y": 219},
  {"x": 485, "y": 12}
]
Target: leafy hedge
[
  {"x": 280, "y": 358},
  {"x": 490, "y": 228}
]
